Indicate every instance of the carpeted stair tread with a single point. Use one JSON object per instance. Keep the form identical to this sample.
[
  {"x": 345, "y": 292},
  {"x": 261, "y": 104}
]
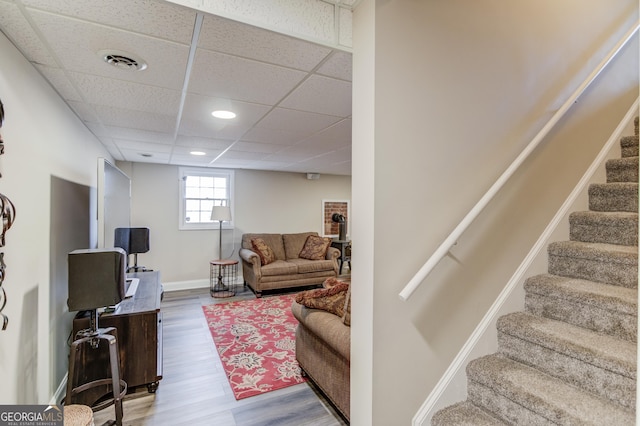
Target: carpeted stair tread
[
  {"x": 599, "y": 307},
  {"x": 615, "y": 196},
  {"x": 606, "y": 263},
  {"x": 464, "y": 414},
  {"x": 589, "y": 293},
  {"x": 622, "y": 169},
  {"x": 521, "y": 394},
  {"x": 619, "y": 228},
  {"x": 600, "y": 350},
  {"x": 629, "y": 146},
  {"x": 597, "y": 363}
]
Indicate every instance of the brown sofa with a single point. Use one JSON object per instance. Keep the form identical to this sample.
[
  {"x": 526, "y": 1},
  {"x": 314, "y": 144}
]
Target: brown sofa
[
  {"x": 323, "y": 350},
  {"x": 288, "y": 270}
]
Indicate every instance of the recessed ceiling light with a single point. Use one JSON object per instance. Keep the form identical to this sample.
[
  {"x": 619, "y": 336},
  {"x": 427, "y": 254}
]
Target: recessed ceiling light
[
  {"x": 198, "y": 153},
  {"x": 226, "y": 115}
]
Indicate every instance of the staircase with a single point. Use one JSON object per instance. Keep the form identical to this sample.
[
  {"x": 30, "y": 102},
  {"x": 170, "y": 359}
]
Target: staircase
[{"x": 570, "y": 357}]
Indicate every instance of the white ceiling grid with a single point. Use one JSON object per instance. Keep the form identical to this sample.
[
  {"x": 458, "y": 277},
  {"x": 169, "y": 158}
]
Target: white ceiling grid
[{"x": 292, "y": 97}]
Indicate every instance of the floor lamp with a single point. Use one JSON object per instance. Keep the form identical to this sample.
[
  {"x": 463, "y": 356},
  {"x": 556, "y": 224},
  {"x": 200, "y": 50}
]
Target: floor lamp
[{"x": 221, "y": 214}]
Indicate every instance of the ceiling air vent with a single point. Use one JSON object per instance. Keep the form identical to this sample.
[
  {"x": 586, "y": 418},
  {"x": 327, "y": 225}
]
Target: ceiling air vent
[{"x": 123, "y": 60}]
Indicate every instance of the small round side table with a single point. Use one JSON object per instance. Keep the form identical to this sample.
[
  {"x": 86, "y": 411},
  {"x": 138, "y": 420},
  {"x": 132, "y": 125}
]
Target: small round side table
[{"x": 223, "y": 273}]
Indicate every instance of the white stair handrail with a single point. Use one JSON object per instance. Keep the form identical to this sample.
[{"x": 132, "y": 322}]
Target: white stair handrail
[{"x": 446, "y": 245}]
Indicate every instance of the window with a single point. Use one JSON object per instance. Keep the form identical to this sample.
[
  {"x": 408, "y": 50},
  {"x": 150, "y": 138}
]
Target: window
[{"x": 200, "y": 190}]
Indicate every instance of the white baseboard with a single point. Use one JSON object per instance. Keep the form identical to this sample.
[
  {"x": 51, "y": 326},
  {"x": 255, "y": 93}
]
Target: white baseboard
[
  {"x": 190, "y": 285},
  {"x": 185, "y": 285}
]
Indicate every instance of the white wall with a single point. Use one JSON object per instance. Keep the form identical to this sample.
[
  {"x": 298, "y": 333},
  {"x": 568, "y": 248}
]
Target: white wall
[
  {"x": 264, "y": 202},
  {"x": 43, "y": 138},
  {"x": 460, "y": 89}
]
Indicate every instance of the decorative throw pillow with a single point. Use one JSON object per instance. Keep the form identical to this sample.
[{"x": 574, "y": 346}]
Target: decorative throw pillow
[
  {"x": 331, "y": 281},
  {"x": 267, "y": 255},
  {"x": 328, "y": 299},
  {"x": 315, "y": 248}
]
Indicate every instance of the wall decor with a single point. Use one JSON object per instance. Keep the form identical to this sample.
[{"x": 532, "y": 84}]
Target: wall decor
[
  {"x": 7, "y": 215},
  {"x": 330, "y": 228}
]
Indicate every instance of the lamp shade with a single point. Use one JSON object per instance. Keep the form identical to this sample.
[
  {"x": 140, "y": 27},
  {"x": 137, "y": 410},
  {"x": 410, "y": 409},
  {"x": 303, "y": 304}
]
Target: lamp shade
[{"x": 221, "y": 213}]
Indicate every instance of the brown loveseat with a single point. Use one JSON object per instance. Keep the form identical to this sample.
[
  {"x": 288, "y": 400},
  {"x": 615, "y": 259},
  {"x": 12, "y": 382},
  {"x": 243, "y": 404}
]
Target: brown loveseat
[
  {"x": 323, "y": 343},
  {"x": 287, "y": 269}
]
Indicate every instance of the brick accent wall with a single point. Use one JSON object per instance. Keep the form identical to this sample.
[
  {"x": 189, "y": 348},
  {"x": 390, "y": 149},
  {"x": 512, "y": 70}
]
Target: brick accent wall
[{"x": 331, "y": 207}]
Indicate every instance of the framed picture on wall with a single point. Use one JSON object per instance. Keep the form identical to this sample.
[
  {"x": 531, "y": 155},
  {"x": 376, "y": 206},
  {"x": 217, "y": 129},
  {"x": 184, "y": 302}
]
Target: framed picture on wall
[{"x": 333, "y": 213}]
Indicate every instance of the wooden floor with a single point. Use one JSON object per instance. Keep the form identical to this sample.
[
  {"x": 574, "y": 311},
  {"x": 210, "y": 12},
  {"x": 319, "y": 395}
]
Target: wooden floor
[{"x": 194, "y": 389}]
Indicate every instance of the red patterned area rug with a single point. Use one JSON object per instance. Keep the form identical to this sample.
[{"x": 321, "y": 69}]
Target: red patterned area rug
[{"x": 256, "y": 342}]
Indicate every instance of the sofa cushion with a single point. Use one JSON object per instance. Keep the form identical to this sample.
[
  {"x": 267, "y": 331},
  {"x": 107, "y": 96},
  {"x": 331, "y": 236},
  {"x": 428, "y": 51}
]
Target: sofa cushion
[
  {"x": 327, "y": 299},
  {"x": 278, "y": 268},
  {"x": 293, "y": 243},
  {"x": 315, "y": 248},
  {"x": 263, "y": 250},
  {"x": 273, "y": 240},
  {"x": 306, "y": 266}
]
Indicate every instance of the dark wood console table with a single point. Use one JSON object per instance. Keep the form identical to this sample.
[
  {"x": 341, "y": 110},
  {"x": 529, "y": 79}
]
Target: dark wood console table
[{"x": 138, "y": 323}]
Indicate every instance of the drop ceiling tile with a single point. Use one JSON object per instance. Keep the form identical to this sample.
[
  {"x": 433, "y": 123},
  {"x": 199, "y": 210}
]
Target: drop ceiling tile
[
  {"x": 293, "y": 154},
  {"x": 205, "y": 143},
  {"x": 76, "y": 44},
  {"x": 346, "y": 28},
  {"x": 16, "y": 27},
  {"x": 211, "y": 152},
  {"x": 309, "y": 18},
  {"x": 270, "y": 165},
  {"x": 191, "y": 160},
  {"x": 232, "y": 37},
  {"x": 243, "y": 155},
  {"x": 342, "y": 169},
  {"x": 85, "y": 111},
  {"x": 161, "y": 19},
  {"x": 120, "y": 117},
  {"x": 197, "y": 107},
  {"x": 60, "y": 82},
  {"x": 339, "y": 65},
  {"x": 234, "y": 164},
  {"x": 142, "y": 147},
  {"x": 136, "y": 157},
  {"x": 304, "y": 150},
  {"x": 210, "y": 129},
  {"x": 319, "y": 161},
  {"x": 230, "y": 77},
  {"x": 138, "y": 135},
  {"x": 334, "y": 137},
  {"x": 265, "y": 148},
  {"x": 275, "y": 136},
  {"x": 301, "y": 123},
  {"x": 99, "y": 90},
  {"x": 108, "y": 143},
  {"x": 323, "y": 95},
  {"x": 115, "y": 153}
]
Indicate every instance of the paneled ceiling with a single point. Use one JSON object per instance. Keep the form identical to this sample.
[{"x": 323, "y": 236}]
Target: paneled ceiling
[{"x": 292, "y": 97}]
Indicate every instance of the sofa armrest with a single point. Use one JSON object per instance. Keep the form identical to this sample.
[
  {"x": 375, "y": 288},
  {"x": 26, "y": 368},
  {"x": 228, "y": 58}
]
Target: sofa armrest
[
  {"x": 332, "y": 253},
  {"x": 250, "y": 264},
  {"x": 249, "y": 256}
]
